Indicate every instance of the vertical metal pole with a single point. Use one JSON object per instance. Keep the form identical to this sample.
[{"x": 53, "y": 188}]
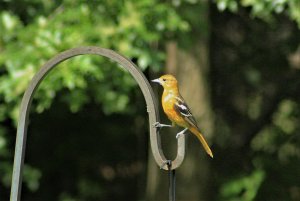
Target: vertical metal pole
[{"x": 172, "y": 181}]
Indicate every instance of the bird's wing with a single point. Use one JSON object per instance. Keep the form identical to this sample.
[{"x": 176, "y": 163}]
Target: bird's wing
[{"x": 183, "y": 110}]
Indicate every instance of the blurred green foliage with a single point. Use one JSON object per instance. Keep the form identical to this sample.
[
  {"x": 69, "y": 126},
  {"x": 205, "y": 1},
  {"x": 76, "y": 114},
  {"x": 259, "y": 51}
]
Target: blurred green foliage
[
  {"x": 256, "y": 99},
  {"x": 244, "y": 188},
  {"x": 128, "y": 27},
  {"x": 34, "y": 31},
  {"x": 264, "y": 9},
  {"x": 255, "y": 90}
]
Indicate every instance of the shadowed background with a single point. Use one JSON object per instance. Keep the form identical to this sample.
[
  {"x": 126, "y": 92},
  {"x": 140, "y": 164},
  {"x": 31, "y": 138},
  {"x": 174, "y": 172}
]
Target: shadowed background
[{"x": 237, "y": 63}]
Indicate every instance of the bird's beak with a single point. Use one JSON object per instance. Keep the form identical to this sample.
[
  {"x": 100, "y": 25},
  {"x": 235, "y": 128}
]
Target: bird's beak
[{"x": 157, "y": 81}]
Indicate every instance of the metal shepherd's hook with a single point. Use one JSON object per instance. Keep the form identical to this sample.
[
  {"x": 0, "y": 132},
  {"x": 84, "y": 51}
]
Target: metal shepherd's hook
[{"x": 151, "y": 109}]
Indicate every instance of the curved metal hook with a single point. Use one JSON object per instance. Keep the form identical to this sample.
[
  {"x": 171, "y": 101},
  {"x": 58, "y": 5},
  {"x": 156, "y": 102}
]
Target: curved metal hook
[{"x": 134, "y": 71}]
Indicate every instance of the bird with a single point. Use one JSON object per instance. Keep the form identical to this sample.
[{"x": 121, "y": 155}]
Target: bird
[{"x": 177, "y": 110}]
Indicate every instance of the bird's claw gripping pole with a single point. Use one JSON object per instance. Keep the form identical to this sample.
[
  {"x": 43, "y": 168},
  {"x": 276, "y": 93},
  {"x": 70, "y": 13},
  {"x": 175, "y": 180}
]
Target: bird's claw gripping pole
[
  {"x": 159, "y": 125},
  {"x": 136, "y": 74}
]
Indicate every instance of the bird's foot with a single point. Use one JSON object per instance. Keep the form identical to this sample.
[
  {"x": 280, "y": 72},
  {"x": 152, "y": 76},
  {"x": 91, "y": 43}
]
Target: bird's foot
[
  {"x": 178, "y": 135},
  {"x": 159, "y": 125},
  {"x": 181, "y": 133}
]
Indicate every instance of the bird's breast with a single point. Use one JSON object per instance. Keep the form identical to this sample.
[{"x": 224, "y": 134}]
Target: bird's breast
[{"x": 168, "y": 101}]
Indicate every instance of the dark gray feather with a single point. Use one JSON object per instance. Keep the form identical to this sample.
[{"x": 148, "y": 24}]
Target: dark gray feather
[{"x": 182, "y": 109}]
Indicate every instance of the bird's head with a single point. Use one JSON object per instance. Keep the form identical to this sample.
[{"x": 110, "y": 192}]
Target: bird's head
[{"x": 167, "y": 81}]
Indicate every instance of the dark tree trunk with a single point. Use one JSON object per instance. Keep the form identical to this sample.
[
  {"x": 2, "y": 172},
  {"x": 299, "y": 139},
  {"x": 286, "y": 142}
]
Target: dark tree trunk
[{"x": 191, "y": 67}]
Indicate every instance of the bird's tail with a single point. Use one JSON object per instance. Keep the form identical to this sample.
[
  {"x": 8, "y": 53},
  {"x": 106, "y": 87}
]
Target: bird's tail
[{"x": 196, "y": 132}]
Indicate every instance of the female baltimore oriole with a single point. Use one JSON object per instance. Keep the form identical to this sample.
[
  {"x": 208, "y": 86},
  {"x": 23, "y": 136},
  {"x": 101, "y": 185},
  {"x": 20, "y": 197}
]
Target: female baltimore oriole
[{"x": 177, "y": 111}]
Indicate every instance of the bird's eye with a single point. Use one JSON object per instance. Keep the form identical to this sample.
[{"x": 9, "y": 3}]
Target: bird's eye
[{"x": 164, "y": 80}]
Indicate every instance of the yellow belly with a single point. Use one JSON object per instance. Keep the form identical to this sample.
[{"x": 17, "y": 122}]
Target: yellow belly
[{"x": 173, "y": 116}]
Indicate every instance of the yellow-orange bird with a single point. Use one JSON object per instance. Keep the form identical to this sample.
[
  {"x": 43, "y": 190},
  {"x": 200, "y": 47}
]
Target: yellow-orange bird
[{"x": 177, "y": 110}]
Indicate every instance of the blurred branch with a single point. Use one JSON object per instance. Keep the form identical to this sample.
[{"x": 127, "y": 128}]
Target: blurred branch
[
  {"x": 56, "y": 12},
  {"x": 294, "y": 59}
]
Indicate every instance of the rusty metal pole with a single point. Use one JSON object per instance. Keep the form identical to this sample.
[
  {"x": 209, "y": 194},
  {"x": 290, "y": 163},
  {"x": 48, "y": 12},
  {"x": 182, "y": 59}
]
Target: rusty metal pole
[{"x": 137, "y": 75}]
